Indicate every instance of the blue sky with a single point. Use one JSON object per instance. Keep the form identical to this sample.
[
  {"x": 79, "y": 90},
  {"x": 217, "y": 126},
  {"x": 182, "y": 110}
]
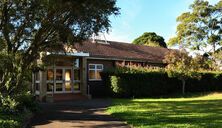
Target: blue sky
[{"x": 139, "y": 16}]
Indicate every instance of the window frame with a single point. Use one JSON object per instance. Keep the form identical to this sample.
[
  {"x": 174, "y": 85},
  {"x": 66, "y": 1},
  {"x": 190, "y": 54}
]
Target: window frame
[
  {"x": 54, "y": 81},
  {"x": 37, "y": 82},
  {"x": 95, "y": 70}
]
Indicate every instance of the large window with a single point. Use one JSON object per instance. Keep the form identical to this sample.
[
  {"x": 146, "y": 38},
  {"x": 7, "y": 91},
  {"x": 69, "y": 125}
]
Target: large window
[
  {"x": 94, "y": 71},
  {"x": 50, "y": 78},
  {"x": 63, "y": 79},
  {"x": 76, "y": 82},
  {"x": 37, "y": 82}
]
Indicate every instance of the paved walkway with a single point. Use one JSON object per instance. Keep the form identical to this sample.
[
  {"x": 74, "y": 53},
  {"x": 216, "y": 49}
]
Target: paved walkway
[{"x": 86, "y": 113}]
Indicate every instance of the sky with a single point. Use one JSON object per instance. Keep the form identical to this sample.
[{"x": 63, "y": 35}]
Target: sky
[{"x": 139, "y": 16}]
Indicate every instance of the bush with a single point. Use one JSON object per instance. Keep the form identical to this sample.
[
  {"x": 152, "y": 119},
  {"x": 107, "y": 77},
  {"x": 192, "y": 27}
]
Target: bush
[
  {"x": 9, "y": 124},
  {"x": 27, "y": 102},
  {"x": 143, "y": 82},
  {"x": 13, "y": 111},
  {"x": 22, "y": 102},
  {"x": 13, "y": 120},
  {"x": 8, "y": 104}
]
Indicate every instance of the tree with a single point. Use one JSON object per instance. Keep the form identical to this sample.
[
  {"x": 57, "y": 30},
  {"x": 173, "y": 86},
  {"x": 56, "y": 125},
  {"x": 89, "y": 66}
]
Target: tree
[
  {"x": 200, "y": 29},
  {"x": 150, "y": 39},
  {"x": 216, "y": 60},
  {"x": 181, "y": 66},
  {"x": 29, "y": 27},
  {"x": 202, "y": 62}
]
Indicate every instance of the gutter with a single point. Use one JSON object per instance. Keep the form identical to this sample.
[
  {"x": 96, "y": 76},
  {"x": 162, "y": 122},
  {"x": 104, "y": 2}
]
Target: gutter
[
  {"x": 124, "y": 59},
  {"x": 81, "y": 54}
]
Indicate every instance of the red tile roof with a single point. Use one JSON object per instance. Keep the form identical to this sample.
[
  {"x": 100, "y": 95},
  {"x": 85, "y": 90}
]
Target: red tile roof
[{"x": 125, "y": 51}]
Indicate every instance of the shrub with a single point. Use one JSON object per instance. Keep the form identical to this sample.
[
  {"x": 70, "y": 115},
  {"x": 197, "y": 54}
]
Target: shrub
[
  {"x": 8, "y": 104},
  {"x": 13, "y": 111},
  {"x": 136, "y": 82},
  {"x": 9, "y": 124},
  {"x": 114, "y": 83},
  {"x": 13, "y": 120},
  {"x": 27, "y": 102}
]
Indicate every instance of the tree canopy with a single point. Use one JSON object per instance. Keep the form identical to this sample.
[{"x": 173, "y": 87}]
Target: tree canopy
[
  {"x": 181, "y": 66},
  {"x": 150, "y": 39},
  {"x": 29, "y": 27},
  {"x": 200, "y": 28}
]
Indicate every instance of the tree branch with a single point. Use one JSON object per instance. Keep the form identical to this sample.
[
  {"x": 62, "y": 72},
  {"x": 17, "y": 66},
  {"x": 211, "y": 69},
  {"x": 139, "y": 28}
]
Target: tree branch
[{"x": 5, "y": 23}]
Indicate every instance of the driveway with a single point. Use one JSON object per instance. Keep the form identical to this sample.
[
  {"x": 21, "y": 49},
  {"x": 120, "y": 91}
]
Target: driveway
[{"x": 85, "y": 113}]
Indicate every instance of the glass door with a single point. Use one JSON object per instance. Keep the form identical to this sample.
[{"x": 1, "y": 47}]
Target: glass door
[
  {"x": 67, "y": 79},
  {"x": 63, "y": 80},
  {"x": 76, "y": 80},
  {"x": 59, "y": 80}
]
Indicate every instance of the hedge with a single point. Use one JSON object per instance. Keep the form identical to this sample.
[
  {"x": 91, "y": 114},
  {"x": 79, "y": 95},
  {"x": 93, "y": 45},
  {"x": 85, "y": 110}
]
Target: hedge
[{"x": 156, "y": 83}]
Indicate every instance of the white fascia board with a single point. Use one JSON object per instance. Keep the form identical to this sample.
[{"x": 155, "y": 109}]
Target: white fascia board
[{"x": 68, "y": 53}]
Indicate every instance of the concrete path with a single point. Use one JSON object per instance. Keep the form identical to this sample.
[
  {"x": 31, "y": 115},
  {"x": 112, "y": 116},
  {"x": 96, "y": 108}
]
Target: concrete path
[{"x": 79, "y": 114}]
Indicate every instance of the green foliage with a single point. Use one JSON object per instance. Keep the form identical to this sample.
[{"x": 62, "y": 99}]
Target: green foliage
[
  {"x": 20, "y": 103},
  {"x": 181, "y": 66},
  {"x": 200, "y": 27},
  {"x": 27, "y": 102},
  {"x": 202, "y": 62},
  {"x": 150, "y": 39},
  {"x": 14, "y": 79},
  {"x": 8, "y": 104},
  {"x": 14, "y": 110},
  {"x": 9, "y": 120},
  {"x": 114, "y": 84},
  {"x": 134, "y": 70},
  {"x": 9, "y": 124},
  {"x": 28, "y": 28},
  {"x": 216, "y": 60},
  {"x": 130, "y": 82}
]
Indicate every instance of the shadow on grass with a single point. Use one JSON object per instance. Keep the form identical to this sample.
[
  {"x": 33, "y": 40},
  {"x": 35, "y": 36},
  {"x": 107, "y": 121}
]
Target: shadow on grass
[
  {"x": 192, "y": 114},
  {"x": 186, "y": 95}
]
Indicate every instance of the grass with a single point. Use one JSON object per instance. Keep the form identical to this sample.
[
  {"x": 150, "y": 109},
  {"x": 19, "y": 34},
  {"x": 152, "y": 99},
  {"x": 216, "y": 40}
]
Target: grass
[{"x": 197, "y": 111}]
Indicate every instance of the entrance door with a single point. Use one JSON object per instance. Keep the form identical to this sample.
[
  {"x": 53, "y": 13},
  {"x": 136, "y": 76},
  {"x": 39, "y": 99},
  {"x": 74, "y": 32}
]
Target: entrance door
[
  {"x": 59, "y": 79},
  {"x": 63, "y": 80},
  {"x": 68, "y": 79}
]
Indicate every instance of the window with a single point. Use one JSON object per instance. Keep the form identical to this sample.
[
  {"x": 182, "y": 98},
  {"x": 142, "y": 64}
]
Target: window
[
  {"x": 76, "y": 63},
  {"x": 58, "y": 74},
  {"x": 76, "y": 71},
  {"x": 67, "y": 86},
  {"x": 59, "y": 87},
  {"x": 49, "y": 87},
  {"x": 49, "y": 81},
  {"x": 50, "y": 74},
  {"x": 76, "y": 74},
  {"x": 37, "y": 81},
  {"x": 94, "y": 71},
  {"x": 37, "y": 86},
  {"x": 77, "y": 86},
  {"x": 67, "y": 74}
]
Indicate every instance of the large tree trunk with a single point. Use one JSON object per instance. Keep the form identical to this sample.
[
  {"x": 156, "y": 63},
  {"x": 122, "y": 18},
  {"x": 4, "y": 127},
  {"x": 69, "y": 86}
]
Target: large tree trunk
[{"x": 183, "y": 86}]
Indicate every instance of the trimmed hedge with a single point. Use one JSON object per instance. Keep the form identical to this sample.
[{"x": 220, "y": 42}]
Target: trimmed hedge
[{"x": 131, "y": 83}]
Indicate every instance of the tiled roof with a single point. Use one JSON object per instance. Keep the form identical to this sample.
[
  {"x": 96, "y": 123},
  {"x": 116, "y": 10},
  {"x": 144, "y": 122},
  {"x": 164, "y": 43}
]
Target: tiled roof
[{"x": 125, "y": 51}]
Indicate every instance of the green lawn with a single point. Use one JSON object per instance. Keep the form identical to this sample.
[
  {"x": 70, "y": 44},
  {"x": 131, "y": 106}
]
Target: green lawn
[{"x": 193, "y": 112}]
